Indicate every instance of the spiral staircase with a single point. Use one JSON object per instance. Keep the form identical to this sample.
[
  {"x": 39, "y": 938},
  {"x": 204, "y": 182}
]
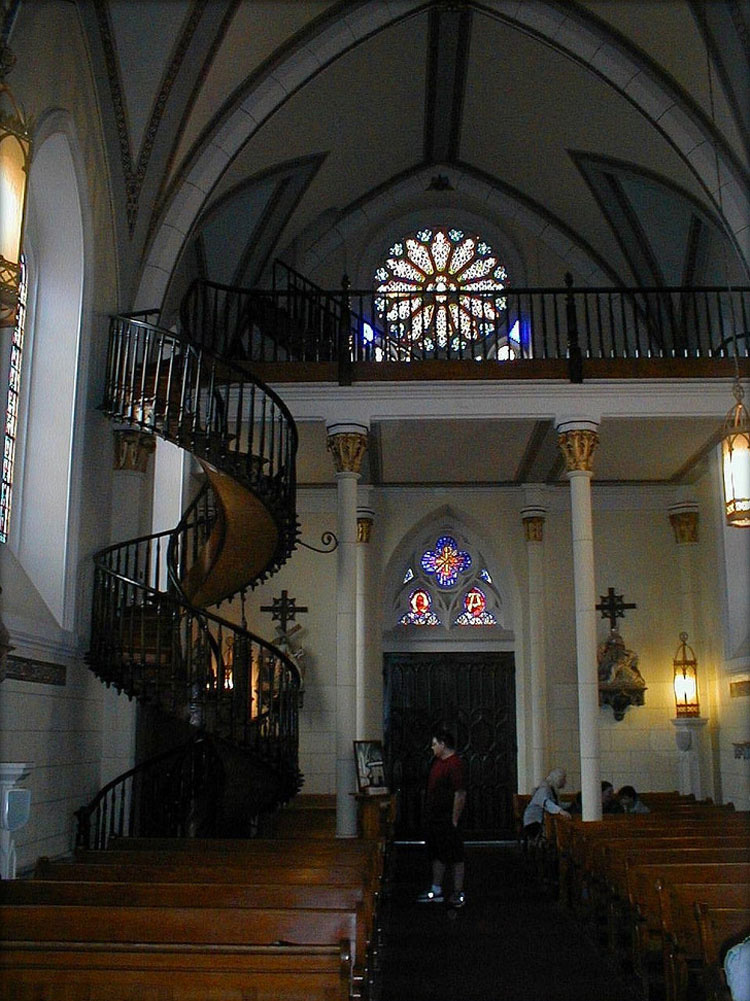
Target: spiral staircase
[{"x": 156, "y": 632}]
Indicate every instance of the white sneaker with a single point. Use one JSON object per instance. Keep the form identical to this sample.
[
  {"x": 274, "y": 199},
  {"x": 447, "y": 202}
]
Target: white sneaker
[{"x": 430, "y": 897}]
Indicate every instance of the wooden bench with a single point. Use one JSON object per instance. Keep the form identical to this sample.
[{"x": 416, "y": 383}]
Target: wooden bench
[
  {"x": 290, "y": 872},
  {"x": 719, "y": 930},
  {"x": 644, "y": 909},
  {"x": 56, "y": 950},
  {"x": 682, "y": 945}
]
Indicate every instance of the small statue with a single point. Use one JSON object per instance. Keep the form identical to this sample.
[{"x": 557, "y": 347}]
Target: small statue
[{"x": 621, "y": 683}]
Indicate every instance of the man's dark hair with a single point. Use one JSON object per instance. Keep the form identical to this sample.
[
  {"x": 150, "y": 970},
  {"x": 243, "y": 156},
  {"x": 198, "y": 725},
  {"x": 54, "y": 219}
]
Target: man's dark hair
[
  {"x": 444, "y": 736},
  {"x": 628, "y": 792}
]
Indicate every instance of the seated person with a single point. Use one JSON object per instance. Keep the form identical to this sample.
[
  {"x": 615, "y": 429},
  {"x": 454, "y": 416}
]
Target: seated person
[
  {"x": 628, "y": 799},
  {"x": 610, "y": 803},
  {"x": 545, "y": 799}
]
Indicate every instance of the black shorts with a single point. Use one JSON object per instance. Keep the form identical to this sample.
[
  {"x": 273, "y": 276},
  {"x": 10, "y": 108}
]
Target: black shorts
[{"x": 444, "y": 841}]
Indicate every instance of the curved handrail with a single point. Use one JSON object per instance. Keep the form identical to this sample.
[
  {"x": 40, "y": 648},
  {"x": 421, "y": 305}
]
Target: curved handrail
[
  {"x": 150, "y": 639},
  {"x": 150, "y": 795},
  {"x": 191, "y": 663}
]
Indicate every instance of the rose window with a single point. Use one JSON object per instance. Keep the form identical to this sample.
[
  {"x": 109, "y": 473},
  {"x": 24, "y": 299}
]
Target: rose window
[{"x": 440, "y": 288}]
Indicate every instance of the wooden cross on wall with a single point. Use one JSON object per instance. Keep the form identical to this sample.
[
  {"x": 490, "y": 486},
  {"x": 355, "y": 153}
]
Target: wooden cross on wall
[
  {"x": 283, "y": 609},
  {"x": 613, "y": 607}
]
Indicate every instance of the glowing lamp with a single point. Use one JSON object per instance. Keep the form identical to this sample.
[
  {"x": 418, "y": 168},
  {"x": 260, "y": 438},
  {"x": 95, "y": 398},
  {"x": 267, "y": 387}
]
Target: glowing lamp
[
  {"x": 15, "y": 156},
  {"x": 735, "y": 462},
  {"x": 685, "y": 680}
]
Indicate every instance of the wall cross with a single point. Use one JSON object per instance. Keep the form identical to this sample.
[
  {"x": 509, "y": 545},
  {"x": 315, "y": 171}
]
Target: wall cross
[
  {"x": 283, "y": 609},
  {"x": 613, "y": 607}
]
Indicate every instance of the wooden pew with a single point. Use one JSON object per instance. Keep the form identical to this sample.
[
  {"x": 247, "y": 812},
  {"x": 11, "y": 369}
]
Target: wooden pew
[
  {"x": 161, "y": 894},
  {"x": 49, "y": 950},
  {"x": 683, "y": 949},
  {"x": 719, "y": 929},
  {"x": 203, "y": 884},
  {"x": 644, "y": 909}
]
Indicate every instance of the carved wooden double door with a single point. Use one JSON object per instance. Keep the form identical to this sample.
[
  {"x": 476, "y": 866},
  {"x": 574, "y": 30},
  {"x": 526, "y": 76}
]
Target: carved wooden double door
[{"x": 473, "y": 695}]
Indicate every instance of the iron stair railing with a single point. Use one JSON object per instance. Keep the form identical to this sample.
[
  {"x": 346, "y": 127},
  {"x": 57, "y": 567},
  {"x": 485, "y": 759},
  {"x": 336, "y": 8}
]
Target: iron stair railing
[
  {"x": 174, "y": 794},
  {"x": 153, "y": 636}
]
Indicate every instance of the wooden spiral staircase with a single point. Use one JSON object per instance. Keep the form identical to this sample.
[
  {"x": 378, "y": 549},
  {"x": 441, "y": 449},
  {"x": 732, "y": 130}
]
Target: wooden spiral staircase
[{"x": 156, "y": 632}]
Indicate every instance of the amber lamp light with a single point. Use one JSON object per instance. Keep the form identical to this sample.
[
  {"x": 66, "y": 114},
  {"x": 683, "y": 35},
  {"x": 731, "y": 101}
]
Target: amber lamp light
[
  {"x": 735, "y": 462},
  {"x": 15, "y": 157},
  {"x": 685, "y": 680}
]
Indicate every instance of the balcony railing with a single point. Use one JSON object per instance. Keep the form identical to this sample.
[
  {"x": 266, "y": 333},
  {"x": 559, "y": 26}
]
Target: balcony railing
[{"x": 297, "y": 322}]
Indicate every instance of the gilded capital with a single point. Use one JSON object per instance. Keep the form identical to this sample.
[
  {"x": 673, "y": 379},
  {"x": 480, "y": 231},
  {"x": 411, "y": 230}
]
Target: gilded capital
[
  {"x": 578, "y": 447},
  {"x": 364, "y": 529},
  {"x": 533, "y": 527},
  {"x": 685, "y": 526},
  {"x": 132, "y": 450},
  {"x": 348, "y": 449}
]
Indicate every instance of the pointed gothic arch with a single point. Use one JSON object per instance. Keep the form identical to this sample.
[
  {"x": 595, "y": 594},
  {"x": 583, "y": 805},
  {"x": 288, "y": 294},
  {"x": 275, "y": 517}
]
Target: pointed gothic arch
[{"x": 485, "y": 571}]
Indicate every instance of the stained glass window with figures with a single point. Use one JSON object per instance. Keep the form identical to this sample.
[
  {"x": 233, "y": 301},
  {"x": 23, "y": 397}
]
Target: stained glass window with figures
[{"x": 445, "y": 582}]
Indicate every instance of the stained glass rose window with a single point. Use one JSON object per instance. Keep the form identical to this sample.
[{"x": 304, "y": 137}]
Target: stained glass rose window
[{"x": 441, "y": 288}]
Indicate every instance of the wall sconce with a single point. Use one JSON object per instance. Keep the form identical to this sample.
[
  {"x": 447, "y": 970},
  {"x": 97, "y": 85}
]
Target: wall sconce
[
  {"x": 685, "y": 680},
  {"x": 15, "y": 157},
  {"x": 735, "y": 462}
]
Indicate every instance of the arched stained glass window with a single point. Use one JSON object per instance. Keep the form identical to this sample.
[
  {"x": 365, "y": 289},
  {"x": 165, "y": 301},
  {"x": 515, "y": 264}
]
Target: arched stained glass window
[
  {"x": 446, "y": 583},
  {"x": 12, "y": 406},
  {"x": 441, "y": 289}
]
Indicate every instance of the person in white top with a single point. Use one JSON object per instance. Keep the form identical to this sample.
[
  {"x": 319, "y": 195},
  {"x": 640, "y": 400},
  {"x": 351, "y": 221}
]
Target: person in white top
[{"x": 545, "y": 799}]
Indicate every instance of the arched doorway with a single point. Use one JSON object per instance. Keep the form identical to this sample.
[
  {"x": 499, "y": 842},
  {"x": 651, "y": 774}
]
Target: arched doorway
[
  {"x": 473, "y": 695},
  {"x": 449, "y": 660}
]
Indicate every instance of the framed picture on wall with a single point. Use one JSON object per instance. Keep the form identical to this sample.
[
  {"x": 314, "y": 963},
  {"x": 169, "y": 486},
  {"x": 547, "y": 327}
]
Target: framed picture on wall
[{"x": 368, "y": 757}]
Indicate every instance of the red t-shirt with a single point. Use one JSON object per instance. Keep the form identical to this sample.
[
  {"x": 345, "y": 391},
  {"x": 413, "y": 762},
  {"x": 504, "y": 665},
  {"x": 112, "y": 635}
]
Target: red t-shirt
[{"x": 446, "y": 778}]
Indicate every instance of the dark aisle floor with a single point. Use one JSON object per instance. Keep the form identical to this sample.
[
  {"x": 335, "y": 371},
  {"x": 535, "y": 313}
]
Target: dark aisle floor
[{"x": 510, "y": 943}]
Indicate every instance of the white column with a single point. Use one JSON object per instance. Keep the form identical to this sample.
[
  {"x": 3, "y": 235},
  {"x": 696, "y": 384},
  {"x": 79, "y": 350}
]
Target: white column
[
  {"x": 365, "y": 517},
  {"x": 683, "y": 518},
  {"x": 578, "y": 440},
  {"x": 533, "y": 523},
  {"x": 688, "y": 738},
  {"x": 129, "y": 514},
  {"x": 347, "y": 444}
]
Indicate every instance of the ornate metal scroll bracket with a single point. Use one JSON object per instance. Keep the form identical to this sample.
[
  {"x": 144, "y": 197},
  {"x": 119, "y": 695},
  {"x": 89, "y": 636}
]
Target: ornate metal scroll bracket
[{"x": 329, "y": 540}]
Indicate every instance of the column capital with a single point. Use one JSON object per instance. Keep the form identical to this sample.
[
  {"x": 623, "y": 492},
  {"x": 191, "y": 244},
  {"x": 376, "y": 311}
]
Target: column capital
[
  {"x": 132, "y": 450},
  {"x": 683, "y": 518},
  {"x": 577, "y": 440},
  {"x": 365, "y": 519},
  {"x": 533, "y": 523},
  {"x": 347, "y": 444}
]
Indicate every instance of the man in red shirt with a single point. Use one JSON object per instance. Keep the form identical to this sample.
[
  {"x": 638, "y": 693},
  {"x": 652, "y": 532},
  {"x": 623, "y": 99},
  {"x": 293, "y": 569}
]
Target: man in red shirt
[{"x": 444, "y": 804}]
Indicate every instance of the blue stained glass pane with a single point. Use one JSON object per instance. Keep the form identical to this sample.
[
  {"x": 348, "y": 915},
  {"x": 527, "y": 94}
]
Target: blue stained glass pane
[
  {"x": 409, "y": 575},
  {"x": 445, "y": 561},
  {"x": 484, "y": 574}
]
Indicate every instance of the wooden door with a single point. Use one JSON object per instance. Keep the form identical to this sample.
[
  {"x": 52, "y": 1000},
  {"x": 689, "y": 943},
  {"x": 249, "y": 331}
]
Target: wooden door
[{"x": 473, "y": 695}]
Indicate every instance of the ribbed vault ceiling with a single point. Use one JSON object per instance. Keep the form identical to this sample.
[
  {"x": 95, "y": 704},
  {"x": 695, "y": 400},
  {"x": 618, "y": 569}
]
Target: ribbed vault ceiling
[{"x": 583, "y": 136}]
